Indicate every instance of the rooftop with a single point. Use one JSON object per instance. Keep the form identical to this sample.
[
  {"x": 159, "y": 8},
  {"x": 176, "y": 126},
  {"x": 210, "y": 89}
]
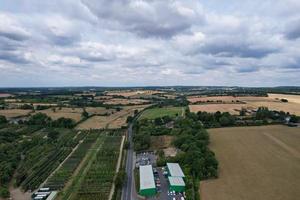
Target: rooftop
[
  {"x": 146, "y": 177},
  {"x": 175, "y": 170},
  {"x": 176, "y": 181}
]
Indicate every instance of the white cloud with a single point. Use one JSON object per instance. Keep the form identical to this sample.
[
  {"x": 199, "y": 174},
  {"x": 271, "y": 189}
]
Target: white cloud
[{"x": 141, "y": 42}]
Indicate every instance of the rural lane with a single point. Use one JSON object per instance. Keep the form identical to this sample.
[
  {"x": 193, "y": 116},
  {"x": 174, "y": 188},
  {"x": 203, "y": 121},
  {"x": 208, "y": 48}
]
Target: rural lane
[{"x": 127, "y": 188}]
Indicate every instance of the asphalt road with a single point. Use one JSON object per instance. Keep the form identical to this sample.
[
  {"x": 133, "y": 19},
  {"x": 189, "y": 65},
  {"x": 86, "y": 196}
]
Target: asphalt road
[{"x": 127, "y": 188}]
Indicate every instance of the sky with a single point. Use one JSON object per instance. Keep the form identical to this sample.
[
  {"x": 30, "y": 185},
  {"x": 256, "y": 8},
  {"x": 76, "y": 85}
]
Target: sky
[{"x": 149, "y": 43}]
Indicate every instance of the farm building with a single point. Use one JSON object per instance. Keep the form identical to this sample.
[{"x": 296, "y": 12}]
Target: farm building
[
  {"x": 176, "y": 184},
  {"x": 174, "y": 170},
  {"x": 147, "y": 184}
]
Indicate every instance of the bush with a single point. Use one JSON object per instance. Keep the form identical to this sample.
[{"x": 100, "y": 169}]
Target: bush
[
  {"x": 4, "y": 193},
  {"x": 3, "y": 119}
]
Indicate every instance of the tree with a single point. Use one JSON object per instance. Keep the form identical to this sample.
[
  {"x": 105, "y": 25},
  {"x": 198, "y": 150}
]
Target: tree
[
  {"x": 294, "y": 119},
  {"x": 27, "y": 107},
  {"x": 158, "y": 121},
  {"x": 243, "y": 112},
  {"x": 3, "y": 119},
  {"x": 85, "y": 114},
  {"x": 120, "y": 179},
  {"x": 39, "y": 119},
  {"x": 53, "y": 135},
  {"x": 129, "y": 119},
  {"x": 4, "y": 193},
  {"x": 224, "y": 121},
  {"x": 63, "y": 123}
]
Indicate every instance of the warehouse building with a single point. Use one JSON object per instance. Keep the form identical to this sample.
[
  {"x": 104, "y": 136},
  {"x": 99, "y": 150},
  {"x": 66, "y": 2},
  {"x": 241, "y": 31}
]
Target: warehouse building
[
  {"x": 175, "y": 170},
  {"x": 175, "y": 177},
  {"x": 147, "y": 184},
  {"x": 176, "y": 184}
]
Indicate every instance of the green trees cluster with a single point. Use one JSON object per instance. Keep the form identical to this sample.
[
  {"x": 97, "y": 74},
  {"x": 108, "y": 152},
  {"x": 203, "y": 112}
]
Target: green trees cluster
[
  {"x": 192, "y": 139},
  {"x": 216, "y": 119},
  {"x": 145, "y": 128},
  {"x": 27, "y": 107},
  {"x": 44, "y": 120}
]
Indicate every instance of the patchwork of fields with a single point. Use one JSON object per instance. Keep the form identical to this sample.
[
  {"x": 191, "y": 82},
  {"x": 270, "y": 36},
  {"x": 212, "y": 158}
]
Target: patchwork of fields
[
  {"x": 255, "y": 163},
  {"x": 234, "y": 104}
]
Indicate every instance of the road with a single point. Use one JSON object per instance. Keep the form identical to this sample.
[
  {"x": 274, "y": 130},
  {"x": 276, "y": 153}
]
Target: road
[{"x": 127, "y": 189}]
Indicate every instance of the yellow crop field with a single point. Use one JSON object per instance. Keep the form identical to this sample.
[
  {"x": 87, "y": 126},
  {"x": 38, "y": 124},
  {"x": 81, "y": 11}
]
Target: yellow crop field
[{"x": 255, "y": 163}]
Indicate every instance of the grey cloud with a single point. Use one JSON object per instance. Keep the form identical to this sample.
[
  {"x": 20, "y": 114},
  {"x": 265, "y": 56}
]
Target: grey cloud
[
  {"x": 64, "y": 40},
  {"x": 231, "y": 48},
  {"x": 13, "y": 57},
  {"x": 293, "y": 30},
  {"x": 247, "y": 69},
  {"x": 14, "y": 36},
  {"x": 145, "y": 18}
]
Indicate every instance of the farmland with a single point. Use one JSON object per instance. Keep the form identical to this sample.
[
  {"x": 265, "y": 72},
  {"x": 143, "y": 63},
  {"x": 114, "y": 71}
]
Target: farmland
[
  {"x": 160, "y": 112},
  {"x": 291, "y": 107},
  {"x": 115, "y": 120},
  {"x": 290, "y": 98},
  {"x": 12, "y": 113},
  {"x": 58, "y": 180},
  {"x": 72, "y": 113},
  {"x": 234, "y": 104},
  {"x": 130, "y": 93},
  {"x": 263, "y": 164},
  {"x": 231, "y": 108},
  {"x": 116, "y": 101},
  {"x": 94, "y": 180}
]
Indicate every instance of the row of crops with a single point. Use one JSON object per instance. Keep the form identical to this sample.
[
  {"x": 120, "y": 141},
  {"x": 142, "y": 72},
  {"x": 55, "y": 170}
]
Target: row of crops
[
  {"x": 60, "y": 177},
  {"x": 44, "y": 156},
  {"x": 97, "y": 182}
]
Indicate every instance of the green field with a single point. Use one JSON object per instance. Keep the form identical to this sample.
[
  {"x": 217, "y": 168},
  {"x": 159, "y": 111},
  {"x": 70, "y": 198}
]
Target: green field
[{"x": 160, "y": 112}]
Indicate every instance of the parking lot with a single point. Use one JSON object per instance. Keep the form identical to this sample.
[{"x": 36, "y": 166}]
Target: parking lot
[
  {"x": 161, "y": 181},
  {"x": 145, "y": 158},
  {"x": 162, "y": 187}
]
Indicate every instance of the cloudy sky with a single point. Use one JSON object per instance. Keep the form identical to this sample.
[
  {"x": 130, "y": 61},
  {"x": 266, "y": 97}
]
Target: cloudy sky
[{"x": 149, "y": 42}]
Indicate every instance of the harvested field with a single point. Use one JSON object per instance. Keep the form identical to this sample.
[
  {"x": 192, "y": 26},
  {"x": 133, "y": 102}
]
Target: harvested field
[
  {"x": 116, "y": 101},
  {"x": 102, "y": 97},
  {"x": 12, "y": 113},
  {"x": 17, "y": 104},
  {"x": 130, "y": 93},
  {"x": 11, "y": 100},
  {"x": 231, "y": 108},
  {"x": 260, "y": 163},
  {"x": 73, "y": 113},
  {"x": 119, "y": 118},
  {"x": 226, "y": 99},
  {"x": 115, "y": 120},
  {"x": 5, "y": 95},
  {"x": 95, "y": 122},
  {"x": 290, "y": 98},
  {"x": 98, "y": 110},
  {"x": 291, "y": 107}
]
